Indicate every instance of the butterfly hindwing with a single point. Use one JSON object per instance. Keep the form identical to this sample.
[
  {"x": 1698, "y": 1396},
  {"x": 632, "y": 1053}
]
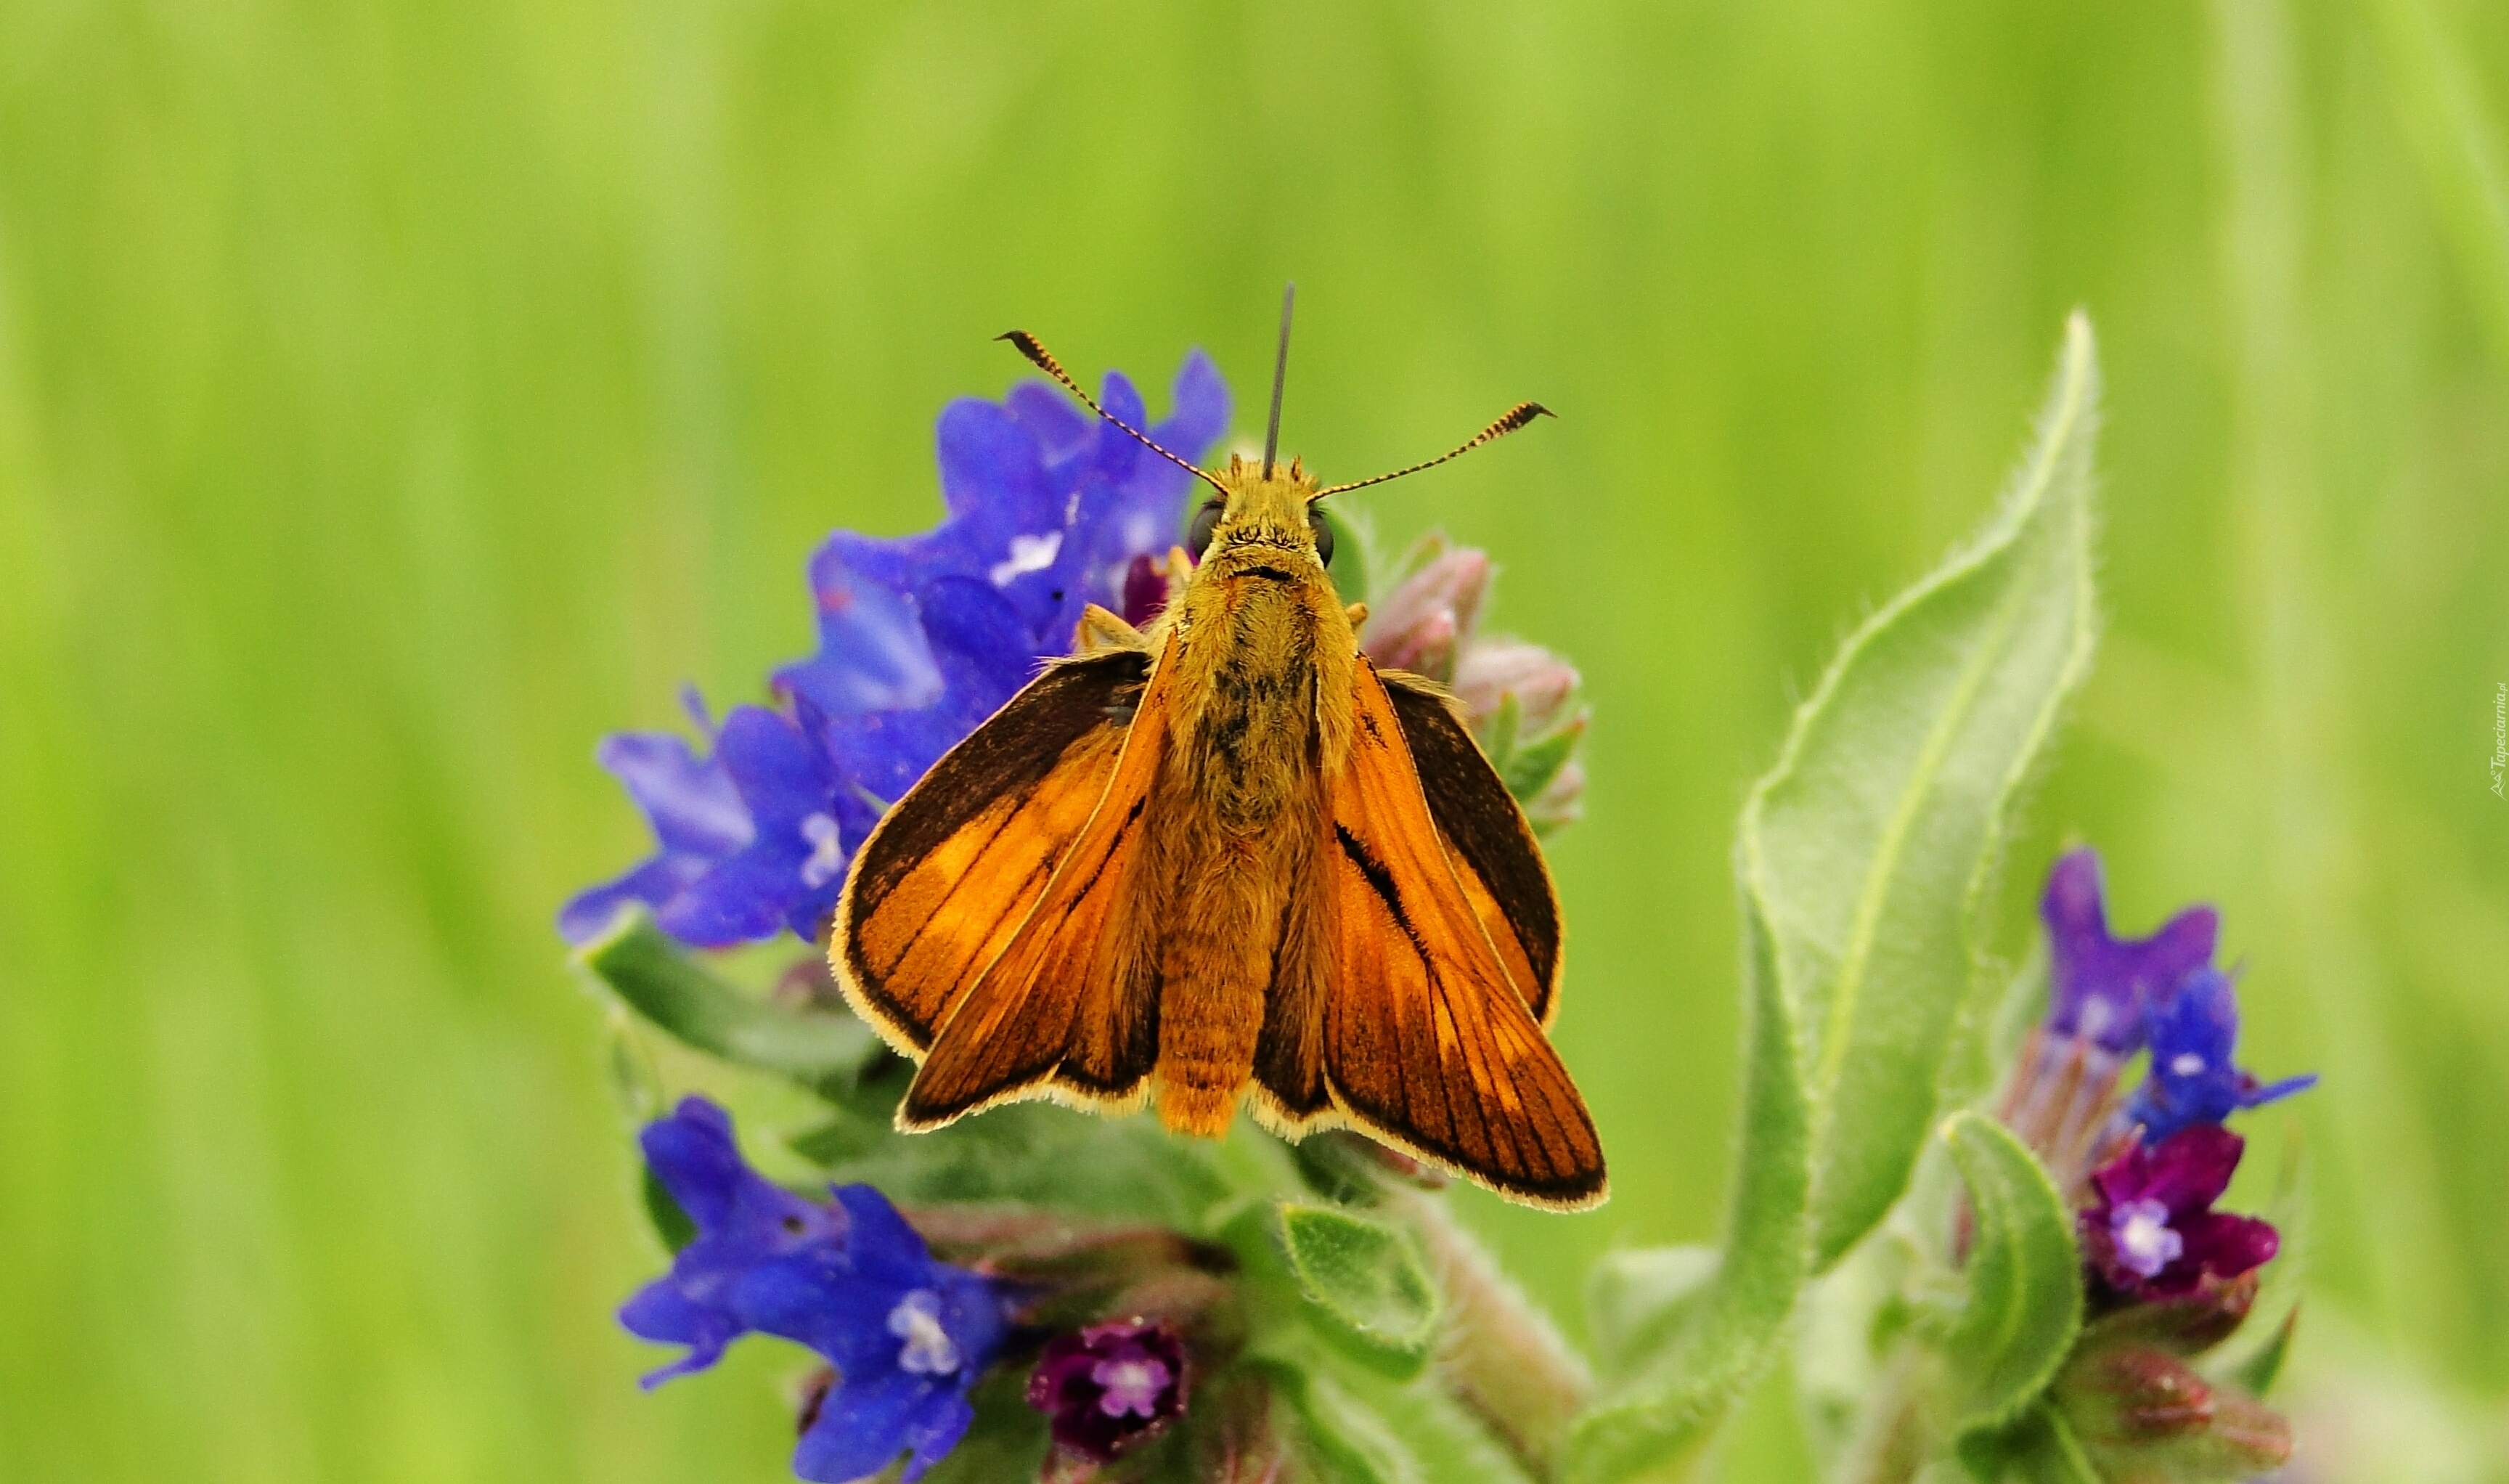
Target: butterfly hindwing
[
  {"x": 1069, "y": 1006},
  {"x": 1497, "y": 862},
  {"x": 942, "y": 885},
  {"x": 1426, "y": 1039}
]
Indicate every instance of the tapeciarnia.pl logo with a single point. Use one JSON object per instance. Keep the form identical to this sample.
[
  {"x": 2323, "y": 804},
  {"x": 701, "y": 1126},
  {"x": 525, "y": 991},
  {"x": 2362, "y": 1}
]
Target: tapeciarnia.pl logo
[{"x": 2499, "y": 736}]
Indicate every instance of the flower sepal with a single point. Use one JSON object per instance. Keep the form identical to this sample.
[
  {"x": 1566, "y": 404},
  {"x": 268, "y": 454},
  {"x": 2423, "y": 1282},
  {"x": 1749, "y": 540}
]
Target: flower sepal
[
  {"x": 2138, "y": 1412},
  {"x": 2188, "y": 1326}
]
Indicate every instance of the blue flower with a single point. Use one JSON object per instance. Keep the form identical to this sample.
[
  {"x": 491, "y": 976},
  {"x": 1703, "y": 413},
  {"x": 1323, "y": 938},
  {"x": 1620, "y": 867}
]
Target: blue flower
[
  {"x": 696, "y": 816},
  {"x": 908, "y": 1335},
  {"x": 2101, "y": 985},
  {"x": 742, "y": 1220},
  {"x": 753, "y": 838},
  {"x": 2195, "y": 1030},
  {"x": 921, "y": 637}
]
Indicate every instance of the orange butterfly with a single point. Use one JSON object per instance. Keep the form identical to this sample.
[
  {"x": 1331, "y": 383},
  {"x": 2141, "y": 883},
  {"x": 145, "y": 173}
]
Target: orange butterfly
[{"x": 1229, "y": 854}]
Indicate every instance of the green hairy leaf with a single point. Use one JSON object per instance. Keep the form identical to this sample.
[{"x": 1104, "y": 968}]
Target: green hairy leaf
[
  {"x": 1689, "y": 1350},
  {"x": 1366, "y": 1277},
  {"x": 659, "y": 980},
  {"x": 1634, "y": 1296},
  {"x": 1867, "y": 851},
  {"x": 1531, "y": 767},
  {"x": 1864, "y": 858},
  {"x": 2024, "y": 1303},
  {"x": 2040, "y": 1448}
]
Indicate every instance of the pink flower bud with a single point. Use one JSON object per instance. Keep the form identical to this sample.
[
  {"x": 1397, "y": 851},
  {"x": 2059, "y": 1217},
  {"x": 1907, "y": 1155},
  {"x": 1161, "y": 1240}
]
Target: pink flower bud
[
  {"x": 2140, "y": 1413},
  {"x": 1430, "y": 613},
  {"x": 1542, "y": 682}
]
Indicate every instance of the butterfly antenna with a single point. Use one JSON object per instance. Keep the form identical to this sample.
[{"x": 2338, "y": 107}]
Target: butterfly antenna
[
  {"x": 1516, "y": 417},
  {"x": 1280, "y": 378},
  {"x": 1043, "y": 359}
]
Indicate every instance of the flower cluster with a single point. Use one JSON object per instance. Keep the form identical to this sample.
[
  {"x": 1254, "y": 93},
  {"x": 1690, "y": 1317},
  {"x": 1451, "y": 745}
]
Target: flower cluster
[
  {"x": 2167, "y": 1276},
  {"x": 2150, "y": 1168},
  {"x": 908, "y": 1336},
  {"x": 921, "y": 637}
]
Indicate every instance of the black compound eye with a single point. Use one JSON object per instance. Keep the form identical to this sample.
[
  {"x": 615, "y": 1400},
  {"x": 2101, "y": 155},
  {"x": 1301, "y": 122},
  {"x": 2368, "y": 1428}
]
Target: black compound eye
[
  {"x": 1321, "y": 529},
  {"x": 1197, "y": 537}
]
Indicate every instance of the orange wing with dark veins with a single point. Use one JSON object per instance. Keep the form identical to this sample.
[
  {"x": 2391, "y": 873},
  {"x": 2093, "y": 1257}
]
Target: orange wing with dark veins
[
  {"x": 1427, "y": 1041},
  {"x": 945, "y": 882},
  {"x": 1069, "y": 1007}
]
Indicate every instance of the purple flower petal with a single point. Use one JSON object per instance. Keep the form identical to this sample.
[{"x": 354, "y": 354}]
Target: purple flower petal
[
  {"x": 871, "y": 654},
  {"x": 656, "y": 882},
  {"x": 1061, "y": 429},
  {"x": 993, "y": 476},
  {"x": 742, "y": 1220},
  {"x": 816, "y": 1298},
  {"x": 2226, "y": 1245},
  {"x": 1118, "y": 453},
  {"x": 2189, "y": 1170},
  {"x": 865, "y": 1424},
  {"x": 696, "y": 816},
  {"x": 2100, "y": 984},
  {"x": 690, "y": 801},
  {"x": 885, "y": 1248}
]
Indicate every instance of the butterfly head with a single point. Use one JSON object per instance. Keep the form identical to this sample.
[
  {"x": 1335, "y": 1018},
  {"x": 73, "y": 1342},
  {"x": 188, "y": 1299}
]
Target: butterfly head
[{"x": 1262, "y": 523}]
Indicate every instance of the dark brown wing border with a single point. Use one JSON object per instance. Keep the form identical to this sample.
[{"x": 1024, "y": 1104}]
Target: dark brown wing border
[{"x": 1484, "y": 826}]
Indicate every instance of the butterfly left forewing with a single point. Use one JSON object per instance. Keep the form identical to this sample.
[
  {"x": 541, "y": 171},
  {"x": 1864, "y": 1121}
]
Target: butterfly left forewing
[
  {"x": 1069, "y": 1008},
  {"x": 942, "y": 885},
  {"x": 1421, "y": 1037}
]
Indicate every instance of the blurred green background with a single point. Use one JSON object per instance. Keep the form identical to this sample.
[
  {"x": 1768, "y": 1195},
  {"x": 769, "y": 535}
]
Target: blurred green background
[{"x": 396, "y": 396}]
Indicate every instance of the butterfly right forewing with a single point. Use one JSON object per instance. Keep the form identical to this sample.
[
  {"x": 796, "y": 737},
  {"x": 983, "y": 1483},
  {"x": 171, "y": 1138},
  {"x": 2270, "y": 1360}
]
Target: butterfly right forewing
[
  {"x": 1425, "y": 1040},
  {"x": 1497, "y": 862}
]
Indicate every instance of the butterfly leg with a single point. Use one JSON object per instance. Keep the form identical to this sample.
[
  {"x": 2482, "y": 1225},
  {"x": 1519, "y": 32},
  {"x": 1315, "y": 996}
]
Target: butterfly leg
[{"x": 1100, "y": 631}]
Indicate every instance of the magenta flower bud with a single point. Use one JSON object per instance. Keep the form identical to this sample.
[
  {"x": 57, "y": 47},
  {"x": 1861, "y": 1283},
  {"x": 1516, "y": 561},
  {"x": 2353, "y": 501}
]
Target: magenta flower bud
[
  {"x": 1490, "y": 670},
  {"x": 1430, "y": 615},
  {"x": 1110, "y": 1387}
]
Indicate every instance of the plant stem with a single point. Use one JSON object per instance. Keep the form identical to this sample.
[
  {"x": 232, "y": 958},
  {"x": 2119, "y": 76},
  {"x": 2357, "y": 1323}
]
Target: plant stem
[{"x": 1499, "y": 1354}]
